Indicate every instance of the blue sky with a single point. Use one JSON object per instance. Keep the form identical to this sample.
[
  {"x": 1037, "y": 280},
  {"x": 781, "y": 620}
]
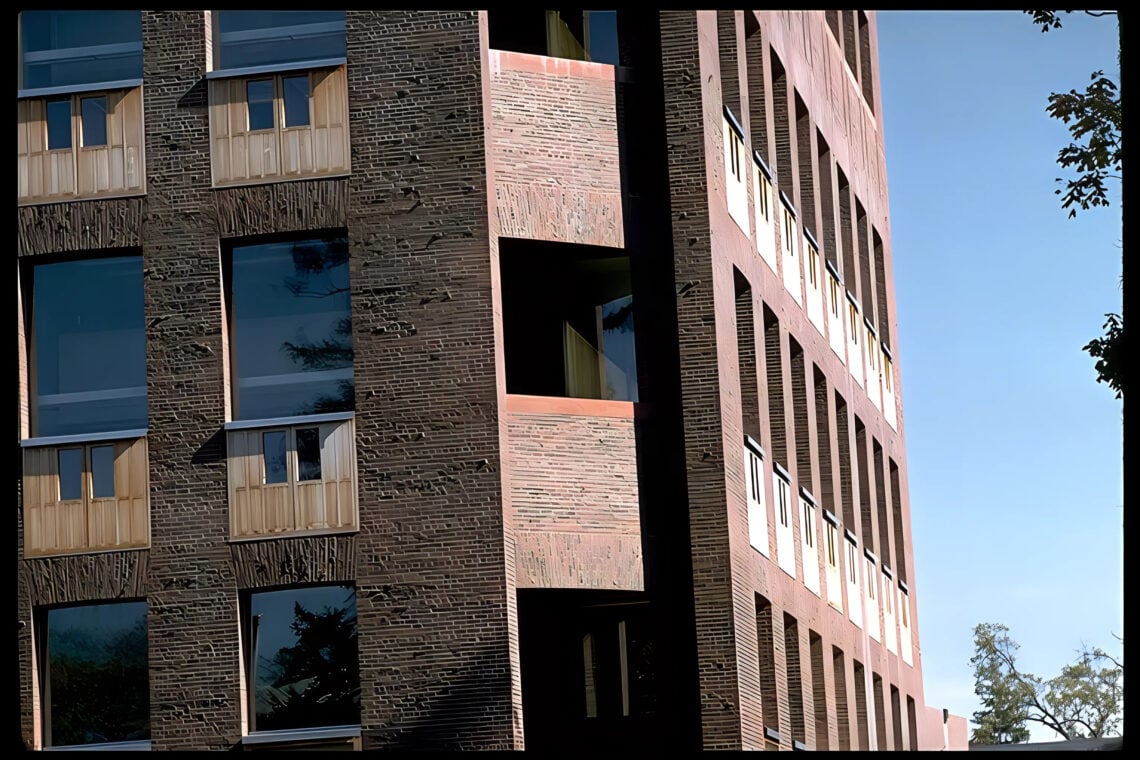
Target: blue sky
[{"x": 1014, "y": 451}]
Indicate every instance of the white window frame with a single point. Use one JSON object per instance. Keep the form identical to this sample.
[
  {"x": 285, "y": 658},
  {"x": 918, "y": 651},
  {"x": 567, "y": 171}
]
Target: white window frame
[
  {"x": 785, "y": 536},
  {"x": 754, "y": 482}
]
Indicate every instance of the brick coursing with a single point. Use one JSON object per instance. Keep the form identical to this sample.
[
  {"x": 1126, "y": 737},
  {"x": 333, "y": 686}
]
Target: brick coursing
[{"x": 282, "y": 207}]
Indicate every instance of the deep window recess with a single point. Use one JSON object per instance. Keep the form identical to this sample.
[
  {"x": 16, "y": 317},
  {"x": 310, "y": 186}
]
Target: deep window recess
[
  {"x": 244, "y": 39},
  {"x": 576, "y": 34},
  {"x": 568, "y": 321},
  {"x": 88, "y": 362},
  {"x": 291, "y": 328},
  {"x": 302, "y": 665},
  {"x": 93, "y": 671},
  {"x": 79, "y": 48}
]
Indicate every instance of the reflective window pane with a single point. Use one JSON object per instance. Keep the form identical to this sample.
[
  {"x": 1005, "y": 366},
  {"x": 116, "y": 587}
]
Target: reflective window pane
[
  {"x": 93, "y": 112},
  {"x": 304, "y": 668},
  {"x": 273, "y": 447},
  {"x": 95, "y": 682},
  {"x": 90, "y": 346},
  {"x": 308, "y": 454},
  {"x": 602, "y": 31},
  {"x": 292, "y": 330},
  {"x": 296, "y": 92},
  {"x": 103, "y": 472},
  {"x": 265, "y": 38},
  {"x": 59, "y": 124},
  {"x": 70, "y": 474},
  {"x": 61, "y": 48},
  {"x": 259, "y": 98}
]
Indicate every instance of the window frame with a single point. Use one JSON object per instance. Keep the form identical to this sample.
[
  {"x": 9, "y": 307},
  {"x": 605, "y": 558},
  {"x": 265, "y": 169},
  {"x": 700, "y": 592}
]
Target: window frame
[
  {"x": 42, "y": 655},
  {"x": 250, "y": 734},
  {"x": 26, "y": 278}
]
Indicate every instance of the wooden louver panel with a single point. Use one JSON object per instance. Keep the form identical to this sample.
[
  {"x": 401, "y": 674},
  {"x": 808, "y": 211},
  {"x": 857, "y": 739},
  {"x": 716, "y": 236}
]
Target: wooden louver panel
[
  {"x": 258, "y": 509},
  {"x": 80, "y": 171},
  {"x": 56, "y": 526},
  {"x": 318, "y": 148}
]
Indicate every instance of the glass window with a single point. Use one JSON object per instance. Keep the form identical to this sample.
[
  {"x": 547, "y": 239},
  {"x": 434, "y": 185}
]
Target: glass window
[
  {"x": 93, "y": 113},
  {"x": 259, "y": 100},
  {"x": 296, "y": 94},
  {"x": 308, "y": 454},
  {"x": 89, "y": 358},
  {"x": 70, "y": 474},
  {"x": 273, "y": 447},
  {"x": 267, "y": 38},
  {"x": 64, "y": 48},
  {"x": 291, "y": 328},
  {"x": 303, "y": 661},
  {"x": 103, "y": 472},
  {"x": 94, "y": 674},
  {"x": 59, "y": 124},
  {"x": 601, "y": 36}
]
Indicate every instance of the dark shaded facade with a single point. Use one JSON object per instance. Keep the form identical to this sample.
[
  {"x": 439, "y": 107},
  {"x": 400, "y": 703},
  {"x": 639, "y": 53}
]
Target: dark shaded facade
[{"x": 510, "y": 380}]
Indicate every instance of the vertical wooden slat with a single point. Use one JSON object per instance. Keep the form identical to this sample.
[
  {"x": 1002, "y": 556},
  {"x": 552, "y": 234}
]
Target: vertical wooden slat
[
  {"x": 139, "y": 490},
  {"x": 131, "y": 118}
]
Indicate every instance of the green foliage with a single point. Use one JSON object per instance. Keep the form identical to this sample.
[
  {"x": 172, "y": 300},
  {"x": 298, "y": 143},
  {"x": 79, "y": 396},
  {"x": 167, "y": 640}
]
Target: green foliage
[
  {"x": 1109, "y": 353},
  {"x": 1084, "y": 700},
  {"x": 1004, "y": 697},
  {"x": 1095, "y": 154}
]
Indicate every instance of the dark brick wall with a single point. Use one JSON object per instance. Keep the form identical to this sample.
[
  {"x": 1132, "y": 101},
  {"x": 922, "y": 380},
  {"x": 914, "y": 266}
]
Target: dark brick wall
[
  {"x": 317, "y": 204},
  {"x": 436, "y": 670},
  {"x": 79, "y": 226},
  {"x": 292, "y": 561},
  {"x": 192, "y": 613}
]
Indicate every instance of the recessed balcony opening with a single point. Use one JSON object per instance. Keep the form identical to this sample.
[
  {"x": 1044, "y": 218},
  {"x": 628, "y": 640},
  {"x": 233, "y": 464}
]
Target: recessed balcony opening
[
  {"x": 575, "y": 34},
  {"x": 568, "y": 321}
]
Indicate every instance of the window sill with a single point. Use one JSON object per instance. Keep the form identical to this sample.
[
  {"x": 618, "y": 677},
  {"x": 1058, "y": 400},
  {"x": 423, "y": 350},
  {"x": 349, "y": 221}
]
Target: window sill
[
  {"x": 301, "y": 735},
  {"x": 65, "y": 440},
  {"x": 72, "y": 198},
  {"x": 278, "y": 179},
  {"x": 274, "y": 68},
  {"x": 70, "y": 89},
  {"x": 293, "y": 534},
  {"x": 303, "y": 419},
  {"x": 139, "y": 746}
]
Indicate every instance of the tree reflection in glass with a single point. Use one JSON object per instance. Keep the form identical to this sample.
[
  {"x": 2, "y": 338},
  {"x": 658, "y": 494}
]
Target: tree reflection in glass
[
  {"x": 292, "y": 328},
  {"x": 305, "y": 667},
  {"x": 95, "y": 685}
]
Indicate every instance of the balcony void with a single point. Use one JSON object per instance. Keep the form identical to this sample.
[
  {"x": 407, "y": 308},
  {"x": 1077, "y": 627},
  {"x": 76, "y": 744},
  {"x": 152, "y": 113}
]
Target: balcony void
[{"x": 554, "y": 126}]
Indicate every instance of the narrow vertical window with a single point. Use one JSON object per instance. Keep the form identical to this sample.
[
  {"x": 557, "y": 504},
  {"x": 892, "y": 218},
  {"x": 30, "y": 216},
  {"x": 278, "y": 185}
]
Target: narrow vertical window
[
  {"x": 259, "y": 99},
  {"x": 588, "y": 668},
  {"x": 308, "y": 454},
  {"x": 273, "y": 447},
  {"x": 70, "y": 474},
  {"x": 59, "y": 124},
  {"x": 296, "y": 95},
  {"x": 103, "y": 472},
  {"x": 93, "y": 114}
]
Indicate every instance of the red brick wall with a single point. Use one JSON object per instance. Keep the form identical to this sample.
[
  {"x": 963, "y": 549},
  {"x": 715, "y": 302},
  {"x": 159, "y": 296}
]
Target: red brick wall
[
  {"x": 574, "y": 494},
  {"x": 554, "y": 143}
]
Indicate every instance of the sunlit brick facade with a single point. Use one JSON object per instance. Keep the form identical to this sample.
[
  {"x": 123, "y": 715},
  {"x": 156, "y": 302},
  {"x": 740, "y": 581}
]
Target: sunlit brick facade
[{"x": 462, "y": 380}]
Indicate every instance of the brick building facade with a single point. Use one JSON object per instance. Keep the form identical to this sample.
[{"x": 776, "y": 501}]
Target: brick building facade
[{"x": 460, "y": 380}]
